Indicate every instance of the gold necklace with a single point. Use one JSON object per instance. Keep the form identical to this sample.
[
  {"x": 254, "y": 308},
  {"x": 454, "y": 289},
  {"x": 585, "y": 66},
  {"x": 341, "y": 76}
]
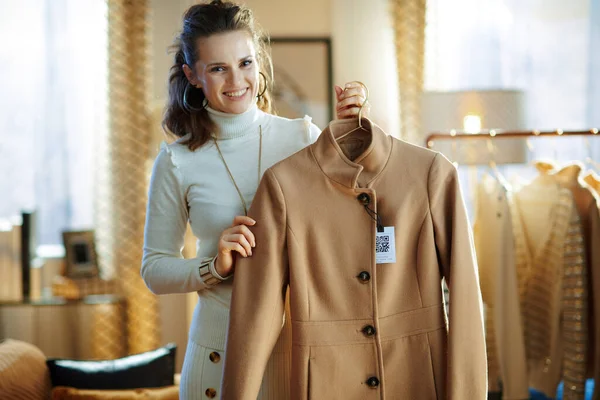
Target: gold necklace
[{"x": 231, "y": 175}]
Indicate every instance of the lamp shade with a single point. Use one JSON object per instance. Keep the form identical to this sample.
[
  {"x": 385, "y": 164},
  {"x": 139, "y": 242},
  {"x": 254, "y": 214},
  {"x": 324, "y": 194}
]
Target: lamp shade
[
  {"x": 498, "y": 109},
  {"x": 472, "y": 112}
]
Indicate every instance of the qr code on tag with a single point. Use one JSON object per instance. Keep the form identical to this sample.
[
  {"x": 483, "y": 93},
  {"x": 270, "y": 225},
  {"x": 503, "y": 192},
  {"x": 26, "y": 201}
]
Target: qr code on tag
[{"x": 382, "y": 244}]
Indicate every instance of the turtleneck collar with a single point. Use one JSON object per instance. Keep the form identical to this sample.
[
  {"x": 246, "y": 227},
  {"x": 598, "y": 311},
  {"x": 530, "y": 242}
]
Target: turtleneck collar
[{"x": 231, "y": 126}]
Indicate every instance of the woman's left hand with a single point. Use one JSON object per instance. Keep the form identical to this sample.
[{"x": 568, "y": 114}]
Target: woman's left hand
[{"x": 349, "y": 100}]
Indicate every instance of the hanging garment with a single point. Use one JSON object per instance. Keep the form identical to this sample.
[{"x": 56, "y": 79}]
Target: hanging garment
[
  {"x": 593, "y": 181},
  {"x": 494, "y": 244},
  {"x": 587, "y": 203},
  {"x": 360, "y": 330},
  {"x": 550, "y": 260}
]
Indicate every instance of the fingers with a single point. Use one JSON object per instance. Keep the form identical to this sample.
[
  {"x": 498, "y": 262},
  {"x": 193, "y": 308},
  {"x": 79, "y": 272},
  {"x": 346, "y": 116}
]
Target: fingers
[
  {"x": 230, "y": 247},
  {"x": 236, "y": 242},
  {"x": 243, "y": 220},
  {"x": 348, "y": 113},
  {"x": 238, "y": 237},
  {"x": 241, "y": 230},
  {"x": 355, "y": 87},
  {"x": 351, "y": 101},
  {"x": 353, "y": 112},
  {"x": 355, "y": 91},
  {"x": 338, "y": 91}
]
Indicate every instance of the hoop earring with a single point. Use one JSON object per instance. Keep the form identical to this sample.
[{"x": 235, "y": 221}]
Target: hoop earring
[
  {"x": 265, "y": 89},
  {"x": 187, "y": 105}
]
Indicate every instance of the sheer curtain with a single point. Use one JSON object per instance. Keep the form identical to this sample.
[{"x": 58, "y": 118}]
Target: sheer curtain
[
  {"x": 53, "y": 110},
  {"x": 547, "y": 48}
]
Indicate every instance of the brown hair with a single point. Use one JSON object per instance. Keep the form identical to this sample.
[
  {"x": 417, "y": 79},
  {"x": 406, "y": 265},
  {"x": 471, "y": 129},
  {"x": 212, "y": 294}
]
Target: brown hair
[{"x": 185, "y": 112}]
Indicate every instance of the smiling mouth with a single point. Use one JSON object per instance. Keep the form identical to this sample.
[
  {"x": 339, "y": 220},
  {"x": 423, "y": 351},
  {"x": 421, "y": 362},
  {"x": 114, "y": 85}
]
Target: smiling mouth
[{"x": 237, "y": 93}]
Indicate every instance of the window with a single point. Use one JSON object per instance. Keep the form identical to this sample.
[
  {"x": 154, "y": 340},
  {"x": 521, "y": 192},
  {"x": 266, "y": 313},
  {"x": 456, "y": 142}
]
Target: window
[
  {"x": 542, "y": 47},
  {"x": 53, "y": 110},
  {"x": 548, "y": 49}
]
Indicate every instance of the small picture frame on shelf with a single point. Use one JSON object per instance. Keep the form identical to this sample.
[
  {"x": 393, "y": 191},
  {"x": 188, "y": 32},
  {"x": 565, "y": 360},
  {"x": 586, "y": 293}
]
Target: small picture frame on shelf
[{"x": 80, "y": 254}]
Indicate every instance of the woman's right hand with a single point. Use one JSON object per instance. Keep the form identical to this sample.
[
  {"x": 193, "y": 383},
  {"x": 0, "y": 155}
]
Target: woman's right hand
[{"x": 235, "y": 239}]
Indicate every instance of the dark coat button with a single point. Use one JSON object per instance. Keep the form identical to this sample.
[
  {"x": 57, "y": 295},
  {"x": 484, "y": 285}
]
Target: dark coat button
[
  {"x": 364, "y": 198},
  {"x": 214, "y": 357},
  {"x": 210, "y": 393},
  {"x": 373, "y": 382},
  {"x": 364, "y": 277},
  {"x": 369, "y": 330}
]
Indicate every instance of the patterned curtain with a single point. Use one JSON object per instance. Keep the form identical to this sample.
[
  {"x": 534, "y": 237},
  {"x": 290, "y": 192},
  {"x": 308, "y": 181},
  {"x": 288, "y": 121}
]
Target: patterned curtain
[
  {"x": 409, "y": 31},
  {"x": 123, "y": 176}
]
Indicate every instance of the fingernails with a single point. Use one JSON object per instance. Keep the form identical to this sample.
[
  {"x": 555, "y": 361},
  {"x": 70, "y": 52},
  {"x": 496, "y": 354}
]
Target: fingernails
[
  {"x": 253, "y": 221},
  {"x": 253, "y": 244}
]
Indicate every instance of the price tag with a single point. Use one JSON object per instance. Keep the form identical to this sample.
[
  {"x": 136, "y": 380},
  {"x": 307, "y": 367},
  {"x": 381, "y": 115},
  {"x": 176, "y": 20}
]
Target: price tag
[{"x": 385, "y": 246}]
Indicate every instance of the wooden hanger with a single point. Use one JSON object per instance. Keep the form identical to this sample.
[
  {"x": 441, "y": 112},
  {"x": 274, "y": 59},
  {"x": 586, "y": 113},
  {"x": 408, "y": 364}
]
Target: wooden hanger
[{"x": 360, "y": 126}]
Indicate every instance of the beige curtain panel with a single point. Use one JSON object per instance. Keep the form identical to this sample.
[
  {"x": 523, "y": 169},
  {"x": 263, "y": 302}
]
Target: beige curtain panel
[
  {"x": 409, "y": 34},
  {"x": 124, "y": 169}
]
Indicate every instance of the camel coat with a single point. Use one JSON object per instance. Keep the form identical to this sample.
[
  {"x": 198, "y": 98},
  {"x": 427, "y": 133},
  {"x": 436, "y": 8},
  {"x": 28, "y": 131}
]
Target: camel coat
[{"x": 360, "y": 330}]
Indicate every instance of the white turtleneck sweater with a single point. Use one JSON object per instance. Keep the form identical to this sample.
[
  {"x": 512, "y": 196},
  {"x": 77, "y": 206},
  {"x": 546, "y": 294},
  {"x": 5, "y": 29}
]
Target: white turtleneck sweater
[{"x": 195, "y": 186}]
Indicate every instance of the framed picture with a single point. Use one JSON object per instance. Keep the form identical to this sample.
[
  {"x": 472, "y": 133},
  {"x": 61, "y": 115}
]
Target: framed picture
[
  {"x": 303, "y": 78},
  {"x": 80, "y": 254}
]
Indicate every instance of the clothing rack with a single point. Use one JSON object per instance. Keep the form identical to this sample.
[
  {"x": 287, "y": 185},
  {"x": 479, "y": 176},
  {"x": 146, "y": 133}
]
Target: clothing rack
[
  {"x": 455, "y": 135},
  {"x": 512, "y": 149}
]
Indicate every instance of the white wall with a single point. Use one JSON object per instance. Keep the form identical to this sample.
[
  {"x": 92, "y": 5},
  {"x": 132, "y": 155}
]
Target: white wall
[{"x": 363, "y": 50}]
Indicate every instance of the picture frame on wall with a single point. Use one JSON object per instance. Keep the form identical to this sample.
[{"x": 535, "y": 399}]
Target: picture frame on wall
[
  {"x": 303, "y": 78},
  {"x": 80, "y": 254}
]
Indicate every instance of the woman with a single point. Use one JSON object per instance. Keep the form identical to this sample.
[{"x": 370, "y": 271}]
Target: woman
[{"x": 219, "y": 104}]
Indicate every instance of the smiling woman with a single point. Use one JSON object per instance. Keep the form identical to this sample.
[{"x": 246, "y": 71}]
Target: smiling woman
[
  {"x": 220, "y": 109},
  {"x": 226, "y": 71},
  {"x": 218, "y": 60}
]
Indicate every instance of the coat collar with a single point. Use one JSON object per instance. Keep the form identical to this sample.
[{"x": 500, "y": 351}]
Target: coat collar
[{"x": 365, "y": 168}]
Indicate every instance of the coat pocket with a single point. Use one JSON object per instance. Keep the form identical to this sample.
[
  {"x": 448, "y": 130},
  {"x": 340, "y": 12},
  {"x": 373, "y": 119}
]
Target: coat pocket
[
  {"x": 409, "y": 373},
  {"x": 341, "y": 372}
]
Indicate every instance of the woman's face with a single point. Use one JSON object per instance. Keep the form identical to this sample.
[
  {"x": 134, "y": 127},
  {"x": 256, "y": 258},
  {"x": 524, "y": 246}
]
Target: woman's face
[{"x": 227, "y": 71}]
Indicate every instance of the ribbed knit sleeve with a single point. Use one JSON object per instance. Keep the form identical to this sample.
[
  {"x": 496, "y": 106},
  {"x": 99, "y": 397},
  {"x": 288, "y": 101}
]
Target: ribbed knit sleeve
[
  {"x": 164, "y": 269},
  {"x": 594, "y": 262},
  {"x": 575, "y": 311}
]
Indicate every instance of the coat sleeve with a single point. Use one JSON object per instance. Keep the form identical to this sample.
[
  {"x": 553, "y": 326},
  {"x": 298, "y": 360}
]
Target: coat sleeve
[
  {"x": 258, "y": 300},
  {"x": 467, "y": 366}
]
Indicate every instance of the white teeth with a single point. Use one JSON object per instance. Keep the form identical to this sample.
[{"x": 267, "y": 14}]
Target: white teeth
[{"x": 236, "y": 94}]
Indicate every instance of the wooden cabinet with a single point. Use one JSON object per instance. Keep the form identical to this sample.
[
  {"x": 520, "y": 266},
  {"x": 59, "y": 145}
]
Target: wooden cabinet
[{"x": 90, "y": 328}]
